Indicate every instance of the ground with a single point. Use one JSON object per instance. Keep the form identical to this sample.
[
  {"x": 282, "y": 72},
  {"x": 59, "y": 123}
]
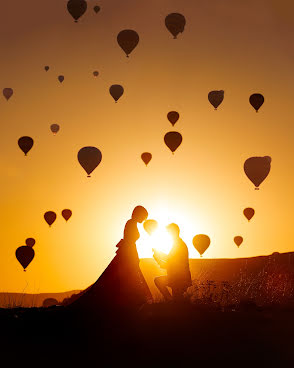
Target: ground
[{"x": 158, "y": 335}]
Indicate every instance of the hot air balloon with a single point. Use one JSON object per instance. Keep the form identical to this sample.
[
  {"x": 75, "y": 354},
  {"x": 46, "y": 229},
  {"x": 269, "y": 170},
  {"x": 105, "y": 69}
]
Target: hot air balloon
[
  {"x": 128, "y": 40},
  {"x": 76, "y": 8},
  {"x": 96, "y": 9},
  {"x": 30, "y": 242},
  {"x": 216, "y": 98},
  {"x": 201, "y": 242},
  {"x": 25, "y": 144},
  {"x": 95, "y": 73},
  {"x": 49, "y": 302},
  {"x": 25, "y": 255},
  {"x": 150, "y": 226},
  {"x": 257, "y": 169},
  {"x": 175, "y": 23},
  {"x": 116, "y": 91},
  {"x": 50, "y": 217},
  {"x": 249, "y": 213},
  {"x": 61, "y": 78},
  {"x": 7, "y": 93},
  {"x": 54, "y": 128},
  {"x": 89, "y": 158},
  {"x": 238, "y": 240},
  {"x": 173, "y": 140},
  {"x": 146, "y": 157},
  {"x": 256, "y": 100},
  {"x": 66, "y": 214},
  {"x": 46, "y": 68},
  {"x": 173, "y": 117}
]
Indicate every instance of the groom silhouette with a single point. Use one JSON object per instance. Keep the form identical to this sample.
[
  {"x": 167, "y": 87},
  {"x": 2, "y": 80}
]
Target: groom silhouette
[{"x": 176, "y": 263}]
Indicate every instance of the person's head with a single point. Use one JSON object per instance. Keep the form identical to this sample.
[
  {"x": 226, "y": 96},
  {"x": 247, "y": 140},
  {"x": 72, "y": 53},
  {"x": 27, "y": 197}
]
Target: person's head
[
  {"x": 174, "y": 230},
  {"x": 139, "y": 214}
]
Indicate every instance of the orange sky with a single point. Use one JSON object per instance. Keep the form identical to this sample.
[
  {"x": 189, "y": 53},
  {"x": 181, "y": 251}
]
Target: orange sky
[{"x": 240, "y": 47}]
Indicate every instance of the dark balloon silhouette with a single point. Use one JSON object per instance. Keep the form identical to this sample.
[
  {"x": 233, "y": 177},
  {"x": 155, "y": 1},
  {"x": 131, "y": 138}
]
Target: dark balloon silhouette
[
  {"x": 46, "y": 68},
  {"x": 7, "y": 93},
  {"x": 95, "y": 73},
  {"x": 50, "y": 217},
  {"x": 201, "y": 242},
  {"x": 146, "y": 157},
  {"x": 61, "y": 78},
  {"x": 249, "y": 213},
  {"x": 96, "y": 9},
  {"x": 25, "y": 255},
  {"x": 128, "y": 40},
  {"x": 30, "y": 242},
  {"x": 173, "y": 117},
  {"x": 49, "y": 302},
  {"x": 257, "y": 169},
  {"x": 173, "y": 140},
  {"x": 175, "y": 23},
  {"x": 216, "y": 98},
  {"x": 150, "y": 226},
  {"x": 25, "y": 144},
  {"x": 66, "y": 214},
  {"x": 116, "y": 91},
  {"x": 54, "y": 128},
  {"x": 76, "y": 8},
  {"x": 256, "y": 100},
  {"x": 238, "y": 240},
  {"x": 89, "y": 158}
]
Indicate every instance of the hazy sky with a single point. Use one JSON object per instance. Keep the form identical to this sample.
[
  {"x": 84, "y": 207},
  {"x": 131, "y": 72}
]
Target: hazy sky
[{"x": 240, "y": 46}]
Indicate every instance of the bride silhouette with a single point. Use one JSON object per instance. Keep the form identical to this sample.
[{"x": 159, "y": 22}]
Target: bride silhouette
[{"x": 122, "y": 284}]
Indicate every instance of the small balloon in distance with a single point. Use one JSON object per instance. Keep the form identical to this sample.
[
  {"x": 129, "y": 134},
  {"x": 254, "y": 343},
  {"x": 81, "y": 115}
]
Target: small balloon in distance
[
  {"x": 146, "y": 157},
  {"x": 256, "y": 100},
  {"x": 201, "y": 242},
  {"x": 61, "y": 78},
  {"x": 54, "y": 128},
  {"x": 50, "y": 217},
  {"x": 96, "y": 9},
  {"x": 238, "y": 240},
  {"x": 175, "y": 23},
  {"x": 257, "y": 169},
  {"x": 116, "y": 91},
  {"x": 46, "y": 68},
  {"x": 128, "y": 39},
  {"x": 249, "y": 213},
  {"x": 95, "y": 73},
  {"x": 173, "y": 117},
  {"x": 25, "y": 144},
  {"x": 150, "y": 226},
  {"x": 49, "y": 302},
  {"x": 7, "y": 93},
  {"x": 89, "y": 158},
  {"x": 25, "y": 255},
  {"x": 76, "y": 8},
  {"x": 216, "y": 98},
  {"x": 66, "y": 214},
  {"x": 30, "y": 242},
  {"x": 173, "y": 140}
]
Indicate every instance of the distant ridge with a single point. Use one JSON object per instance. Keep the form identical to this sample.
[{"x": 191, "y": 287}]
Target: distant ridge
[{"x": 14, "y": 300}]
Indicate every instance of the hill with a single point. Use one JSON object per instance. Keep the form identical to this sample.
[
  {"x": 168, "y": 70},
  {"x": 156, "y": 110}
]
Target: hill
[
  {"x": 14, "y": 300},
  {"x": 274, "y": 269}
]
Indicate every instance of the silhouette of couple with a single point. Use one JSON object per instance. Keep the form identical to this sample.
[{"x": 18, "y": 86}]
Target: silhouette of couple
[{"x": 122, "y": 284}]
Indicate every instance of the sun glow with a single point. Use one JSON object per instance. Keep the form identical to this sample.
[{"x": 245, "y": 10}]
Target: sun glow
[{"x": 160, "y": 240}]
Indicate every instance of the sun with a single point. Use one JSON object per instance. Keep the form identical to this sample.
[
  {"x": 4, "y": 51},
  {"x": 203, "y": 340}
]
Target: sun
[{"x": 160, "y": 239}]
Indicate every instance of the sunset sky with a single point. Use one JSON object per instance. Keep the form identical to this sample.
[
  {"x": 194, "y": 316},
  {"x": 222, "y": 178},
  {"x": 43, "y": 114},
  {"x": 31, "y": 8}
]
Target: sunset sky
[{"x": 241, "y": 47}]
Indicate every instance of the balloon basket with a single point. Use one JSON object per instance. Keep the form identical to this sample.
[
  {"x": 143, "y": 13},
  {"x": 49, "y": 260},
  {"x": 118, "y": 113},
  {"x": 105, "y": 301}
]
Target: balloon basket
[
  {"x": 88, "y": 176},
  {"x": 256, "y": 188}
]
